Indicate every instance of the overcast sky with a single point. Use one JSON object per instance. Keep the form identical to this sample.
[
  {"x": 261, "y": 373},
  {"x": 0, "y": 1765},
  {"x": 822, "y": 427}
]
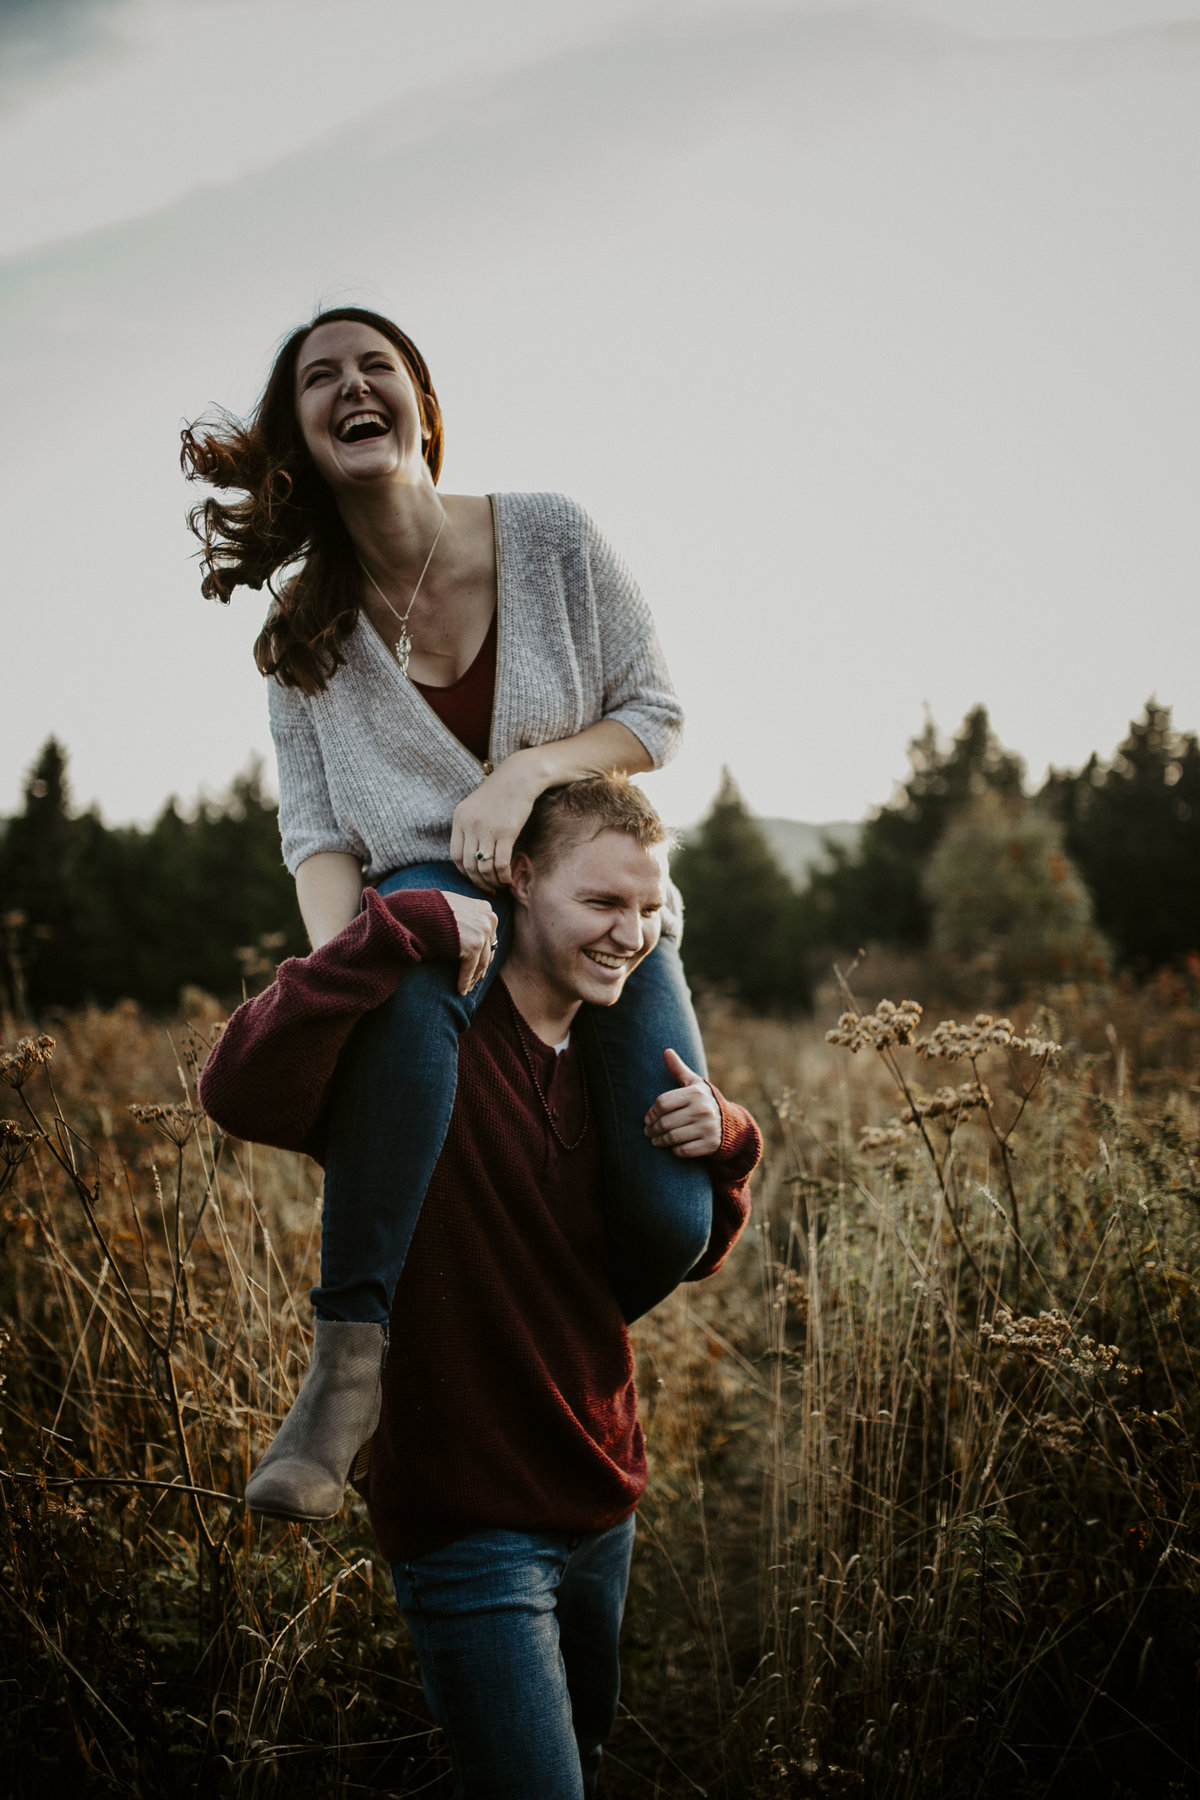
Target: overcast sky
[{"x": 869, "y": 336}]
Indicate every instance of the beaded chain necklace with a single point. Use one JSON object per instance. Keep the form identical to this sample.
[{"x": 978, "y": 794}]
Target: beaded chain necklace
[{"x": 522, "y": 1028}]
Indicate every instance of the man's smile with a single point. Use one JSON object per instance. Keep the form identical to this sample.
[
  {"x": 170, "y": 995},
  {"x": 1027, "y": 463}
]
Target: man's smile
[{"x": 606, "y": 961}]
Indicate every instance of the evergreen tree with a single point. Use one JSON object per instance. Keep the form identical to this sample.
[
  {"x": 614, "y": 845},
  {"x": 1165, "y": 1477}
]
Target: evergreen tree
[
  {"x": 1133, "y": 827},
  {"x": 876, "y": 892},
  {"x": 1011, "y": 913},
  {"x": 40, "y": 882},
  {"x": 97, "y": 914},
  {"x": 742, "y": 911}
]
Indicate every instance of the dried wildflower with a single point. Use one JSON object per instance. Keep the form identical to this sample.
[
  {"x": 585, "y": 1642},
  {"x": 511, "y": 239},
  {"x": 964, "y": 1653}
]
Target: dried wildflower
[
  {"x": 950, "y": 1106},
  {"x": 1046, "y": 1339},
  {"x": 888, "y": 1024},
  {"x": 15, "y": 1145},
  {"x": 175, "y": 1122},
  {"x": 16, "y": 1066},
  {"x": 12, "y": 1134},
  {"x": 1058, "y": 1437},
  {"x": 950, "y": 1040},
  {"x": 881, "y": 1140}
]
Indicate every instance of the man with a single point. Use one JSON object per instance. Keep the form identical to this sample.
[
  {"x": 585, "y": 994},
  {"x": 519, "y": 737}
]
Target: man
[{"x": 508, "y": 1459}]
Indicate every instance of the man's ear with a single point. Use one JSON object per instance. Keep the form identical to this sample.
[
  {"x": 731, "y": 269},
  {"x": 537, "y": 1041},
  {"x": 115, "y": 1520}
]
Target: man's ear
[{"x": 520, "y": 878}]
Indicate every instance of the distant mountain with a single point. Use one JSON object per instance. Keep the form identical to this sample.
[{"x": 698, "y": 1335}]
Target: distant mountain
[{"x": 798, "y": 847}]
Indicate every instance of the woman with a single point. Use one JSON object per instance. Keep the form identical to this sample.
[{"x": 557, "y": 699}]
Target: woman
[{"x": 434, "y": 664}]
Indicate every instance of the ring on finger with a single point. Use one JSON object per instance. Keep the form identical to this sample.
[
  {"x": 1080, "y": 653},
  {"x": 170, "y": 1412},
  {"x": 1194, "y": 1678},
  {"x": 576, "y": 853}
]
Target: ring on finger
[{"x": 483, "y": 856}]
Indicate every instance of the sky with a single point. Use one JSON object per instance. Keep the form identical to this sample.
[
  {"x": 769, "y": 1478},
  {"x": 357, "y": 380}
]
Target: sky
[{"x": 870, "y": 335}]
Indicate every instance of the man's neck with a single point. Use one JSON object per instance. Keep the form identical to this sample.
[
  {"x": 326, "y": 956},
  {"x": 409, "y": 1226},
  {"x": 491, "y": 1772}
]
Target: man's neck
[{"x": 545, "y": 1012}]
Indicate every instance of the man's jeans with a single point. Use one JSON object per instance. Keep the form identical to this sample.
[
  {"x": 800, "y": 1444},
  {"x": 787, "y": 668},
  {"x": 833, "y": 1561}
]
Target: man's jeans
[
  {"x": 393, "y": 1095},
  {"x": 517, "y": 1638}
]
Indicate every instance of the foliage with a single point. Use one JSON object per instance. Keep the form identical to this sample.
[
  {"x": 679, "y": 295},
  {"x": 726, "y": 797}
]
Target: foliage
[
  {"x": 1010, "y": 911},
  {"x": 923, "y": 1515},
  {"x": 876, "y": 893},
  {"x": 97, "y": 914},
  {"x": 742, "y": 911},
  {"x": 1133, "y": 828}
]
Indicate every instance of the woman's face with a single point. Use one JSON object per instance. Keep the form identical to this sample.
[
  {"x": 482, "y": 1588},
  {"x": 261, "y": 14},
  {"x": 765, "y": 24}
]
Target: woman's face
[{"x": 356, "y": 405}]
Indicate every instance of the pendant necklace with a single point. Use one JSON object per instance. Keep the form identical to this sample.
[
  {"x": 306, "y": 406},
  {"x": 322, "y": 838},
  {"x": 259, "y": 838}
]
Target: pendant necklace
[
  {"x": 404, "y": 642},
  {"x": 549, "y": 1111}
]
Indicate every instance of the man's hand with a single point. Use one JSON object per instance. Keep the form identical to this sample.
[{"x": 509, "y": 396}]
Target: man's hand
[
  {"x": 477, "y": 927},
  {"x": 686, "y": 1119}
]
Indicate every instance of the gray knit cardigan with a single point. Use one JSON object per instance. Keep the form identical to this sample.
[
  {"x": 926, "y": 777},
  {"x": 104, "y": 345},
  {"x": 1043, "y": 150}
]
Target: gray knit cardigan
[{"x": 367, "y": 766}]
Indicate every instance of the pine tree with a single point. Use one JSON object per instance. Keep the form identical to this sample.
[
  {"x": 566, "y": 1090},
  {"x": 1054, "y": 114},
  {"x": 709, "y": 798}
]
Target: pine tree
[
  {"x": 1133, "y": 827},
  {"x": 876, "y": 892},
  {"x": 1011, "y": 913},
  {"x": 40, "y": 881},
  {"x": 741, "y": 910}
]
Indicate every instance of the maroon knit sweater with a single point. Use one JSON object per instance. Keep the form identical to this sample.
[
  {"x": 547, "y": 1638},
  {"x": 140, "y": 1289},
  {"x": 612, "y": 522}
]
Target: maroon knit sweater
[
  {"x": 508, "y": 1392},
  {"x": 509, "y": 1399}
]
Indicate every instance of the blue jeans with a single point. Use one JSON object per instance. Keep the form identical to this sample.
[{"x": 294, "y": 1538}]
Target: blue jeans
[
  {"x": 393, "y": 1095},
  {"x": 517, "y": 1639}
]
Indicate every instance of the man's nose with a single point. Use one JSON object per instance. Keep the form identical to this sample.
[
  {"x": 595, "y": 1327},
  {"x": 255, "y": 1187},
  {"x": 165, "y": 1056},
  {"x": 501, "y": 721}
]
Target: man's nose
[{"x": 628, "y": 931}]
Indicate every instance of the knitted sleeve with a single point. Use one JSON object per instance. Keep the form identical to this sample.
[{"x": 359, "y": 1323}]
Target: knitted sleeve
[
  {"x": 268, "y": 1076},
  {"x": 731, "y": 1168},
  {"x": 637, "y": 687},
  {"x": 307, "y": 823}
]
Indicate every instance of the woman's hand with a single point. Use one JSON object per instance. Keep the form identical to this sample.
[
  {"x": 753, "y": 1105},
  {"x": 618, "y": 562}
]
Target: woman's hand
[
  {"x": 488, "y": 822},
  {"x": 686, "y": 1120},
  {"x": 477, "y": 926}
]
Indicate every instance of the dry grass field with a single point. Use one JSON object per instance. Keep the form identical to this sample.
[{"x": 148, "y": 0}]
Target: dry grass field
[{"x": 925, "y": 1496}]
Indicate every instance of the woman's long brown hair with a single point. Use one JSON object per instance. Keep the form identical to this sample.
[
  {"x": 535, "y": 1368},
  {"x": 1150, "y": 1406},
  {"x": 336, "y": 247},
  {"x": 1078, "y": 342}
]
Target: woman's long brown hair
[{"x": 288, "y": 516}]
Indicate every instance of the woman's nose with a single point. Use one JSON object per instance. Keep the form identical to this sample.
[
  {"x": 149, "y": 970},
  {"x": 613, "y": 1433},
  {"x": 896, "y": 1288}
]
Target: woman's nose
[{"x": 355, "y": 383}]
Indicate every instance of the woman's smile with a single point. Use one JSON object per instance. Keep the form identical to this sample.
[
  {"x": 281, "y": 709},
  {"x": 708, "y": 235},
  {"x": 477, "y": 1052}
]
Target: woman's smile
[{"x": 362, "y": 425}]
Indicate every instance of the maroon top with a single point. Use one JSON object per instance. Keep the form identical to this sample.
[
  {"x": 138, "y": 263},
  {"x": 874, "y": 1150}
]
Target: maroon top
[
  {"x": 508, "y": 1391},
  {"x": 465, "y": 707}
]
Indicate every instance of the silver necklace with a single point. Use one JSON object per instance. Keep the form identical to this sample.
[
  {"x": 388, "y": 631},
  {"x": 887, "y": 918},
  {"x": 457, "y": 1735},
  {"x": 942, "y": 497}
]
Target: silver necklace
[{"x": 404, "y": 642}]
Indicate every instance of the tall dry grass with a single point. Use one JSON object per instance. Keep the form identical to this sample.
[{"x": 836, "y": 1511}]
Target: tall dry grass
[{"x": 923, "y": 1506}]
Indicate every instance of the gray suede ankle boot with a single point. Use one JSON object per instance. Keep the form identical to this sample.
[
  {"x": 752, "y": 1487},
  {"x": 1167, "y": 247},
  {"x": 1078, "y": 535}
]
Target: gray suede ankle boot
[{"x": 304, "y": 1473}]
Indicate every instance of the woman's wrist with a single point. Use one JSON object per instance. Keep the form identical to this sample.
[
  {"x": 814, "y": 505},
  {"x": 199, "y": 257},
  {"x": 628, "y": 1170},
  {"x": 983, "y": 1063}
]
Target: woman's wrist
[{"x": 532, "y": 771}]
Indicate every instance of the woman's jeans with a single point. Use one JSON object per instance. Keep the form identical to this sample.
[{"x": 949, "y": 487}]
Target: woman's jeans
[
  {"x": 393, "y": 1095},
  {"x": 517, "y": 1639}
]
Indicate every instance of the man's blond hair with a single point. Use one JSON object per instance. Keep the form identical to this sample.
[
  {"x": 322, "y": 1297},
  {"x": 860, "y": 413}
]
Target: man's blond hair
[{"x": 565, "y": 816}]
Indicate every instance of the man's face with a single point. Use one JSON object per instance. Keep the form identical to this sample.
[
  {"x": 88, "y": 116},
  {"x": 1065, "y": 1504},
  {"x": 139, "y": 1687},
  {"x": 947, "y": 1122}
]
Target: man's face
[{"x": 587, "y": 916}]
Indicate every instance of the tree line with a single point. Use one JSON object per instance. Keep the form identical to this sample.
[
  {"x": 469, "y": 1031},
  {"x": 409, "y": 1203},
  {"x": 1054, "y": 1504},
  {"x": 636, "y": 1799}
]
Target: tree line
[
  {"x": 93, "y": 913},
  {"x": 1098, "y": 871}
]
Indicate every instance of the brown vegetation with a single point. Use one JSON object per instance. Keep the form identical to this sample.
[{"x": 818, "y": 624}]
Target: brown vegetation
[{"x": 923, "y": 1506}]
